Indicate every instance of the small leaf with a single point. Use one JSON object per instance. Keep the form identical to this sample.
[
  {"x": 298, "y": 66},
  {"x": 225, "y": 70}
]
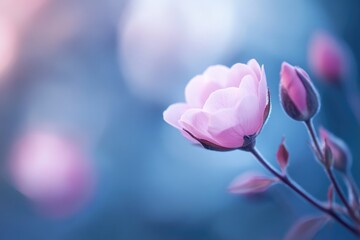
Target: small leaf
[
  {"x": 306, "y": 228},
  {"x": 327, "y": 154},
  {"x": 341, "y": 155},
  {"x": 282, "y": 156},
  {"x": 250, "y": 183},
  {"x": 330, "y": 195}
]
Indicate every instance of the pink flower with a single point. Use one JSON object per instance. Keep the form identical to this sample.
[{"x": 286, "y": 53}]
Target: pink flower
[
  {"x": 327, "y": 57},
  {"x": 299, "y": 97},
  {"x": 340, "y": 152},
  {"x": 225, "y": 107}
]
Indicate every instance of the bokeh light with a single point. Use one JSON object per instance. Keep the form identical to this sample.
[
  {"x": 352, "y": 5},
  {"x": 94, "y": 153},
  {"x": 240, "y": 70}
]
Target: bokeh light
[
  {"x": 166, "y": 39},
  {"x": 52, "y": 171}
]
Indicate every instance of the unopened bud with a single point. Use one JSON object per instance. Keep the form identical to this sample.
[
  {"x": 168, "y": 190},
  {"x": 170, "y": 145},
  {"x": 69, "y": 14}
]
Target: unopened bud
[{"x": 298, "y": 95}]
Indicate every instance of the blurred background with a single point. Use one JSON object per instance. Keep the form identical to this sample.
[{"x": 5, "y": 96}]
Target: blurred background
[{"x": 85, "y": 153}]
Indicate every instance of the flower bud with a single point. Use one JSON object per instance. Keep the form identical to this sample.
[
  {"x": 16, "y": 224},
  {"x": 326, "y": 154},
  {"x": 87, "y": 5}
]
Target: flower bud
[
  {"x": 327, "y": 58},
  {"x": 298, "y": 96},
  {"x": 341, "y": 155}
]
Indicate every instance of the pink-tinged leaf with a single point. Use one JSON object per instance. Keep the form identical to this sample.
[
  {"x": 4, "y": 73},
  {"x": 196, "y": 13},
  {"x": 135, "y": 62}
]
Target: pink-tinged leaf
[
  {"x": 327, "y": 154},
  {"x": 330, "y": 195},
  {"x": 306, "y": 228},
  {"x": 282, "y": 156},
  {"x": 250, "y": 183}
]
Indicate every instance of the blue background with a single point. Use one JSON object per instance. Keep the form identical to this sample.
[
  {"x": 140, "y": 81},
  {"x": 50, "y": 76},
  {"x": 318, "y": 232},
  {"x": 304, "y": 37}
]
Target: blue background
[{"x": 107, "y": 69}]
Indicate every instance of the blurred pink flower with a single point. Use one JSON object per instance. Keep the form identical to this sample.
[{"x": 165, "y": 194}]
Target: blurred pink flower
[
  {"x": 52, "y": 171},
  {"x": 299, "y": 97},
  {"x": 225, "y": 107},
  {"x": 327, "y": 57}
]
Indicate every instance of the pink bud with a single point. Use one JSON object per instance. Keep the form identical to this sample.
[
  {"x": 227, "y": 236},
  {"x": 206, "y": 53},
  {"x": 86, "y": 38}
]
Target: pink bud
[
  {"x": 52, "y": 171},
  {"x": 250, "y": 183},
  {"x": 327, "y": 57},
  {"x": 340, "y": 152},
  {"x": 298, "y": 96},
  {"x": 282, "y": 156}
]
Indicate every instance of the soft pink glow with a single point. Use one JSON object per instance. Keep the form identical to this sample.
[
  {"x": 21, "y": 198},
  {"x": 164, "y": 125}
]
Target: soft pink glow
[
  {"x": 52, "y": 171},
  {"x": 327, "y": 57},
  {"x": 15, "y": 16},
  {"x": 20, "y": 12},
  {"x": 222, "y": 105},
  {"x": 8, "y": 45}
]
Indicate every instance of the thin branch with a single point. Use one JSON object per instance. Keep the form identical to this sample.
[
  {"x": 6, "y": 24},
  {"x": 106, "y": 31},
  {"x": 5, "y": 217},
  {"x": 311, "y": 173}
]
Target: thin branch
[
  {"x": 310, "y": 127},
  {"x": 306, "y": 196}
]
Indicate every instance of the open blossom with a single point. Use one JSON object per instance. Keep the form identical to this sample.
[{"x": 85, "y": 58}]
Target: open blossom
[
  {"x": 225, "y": 107},
  {"x": 299, "y": 97},
  {"x": 327, "y": 57}
]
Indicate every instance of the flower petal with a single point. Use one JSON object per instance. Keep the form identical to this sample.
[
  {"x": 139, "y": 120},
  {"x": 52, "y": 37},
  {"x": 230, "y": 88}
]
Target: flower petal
[
  {"x": 198, "y": 90},
  {"x": 254, "y": 65},
  {"x": 224, "y": 127},
  {"x": 250, "y": 116},
  {"x": 173, "y": 114},
  {"x": 223, "y": 99},
  {"x": 249, "y": 85},
  {"x": 263, "y": 90},
  {"x": 196, "y": 122},
  {"x": 237, "y": 73},
  {"x": 217, "y": 74},
  {"x": 294, "y": 87}
]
